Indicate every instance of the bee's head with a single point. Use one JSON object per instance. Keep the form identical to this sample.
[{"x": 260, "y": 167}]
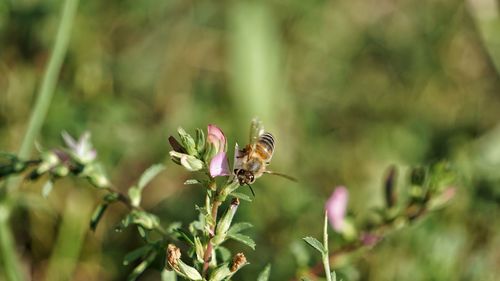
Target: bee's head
[{"x": 244, "y": 176}]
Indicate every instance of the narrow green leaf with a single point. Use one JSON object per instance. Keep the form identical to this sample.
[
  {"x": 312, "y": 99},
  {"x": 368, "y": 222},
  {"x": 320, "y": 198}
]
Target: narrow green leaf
[
  {"x": 138, "y": 270},
  {"x": 200, "y": 141},
  {"x": 47, "y": 188},
  {"x": 243, "y": 239},
  {"x": 238, "y": 227},
  {"x": 184, "y": 236},
  {"x": 313, "y": 242},
  {"x": 223, "y": 254},
  {"x": 97, "y": 215},
  {"x": 136, "y": 254},
  {"x": 168, "y": 275},
  {"x": 264, "y": 275},
  {"x": 134, "y": 194},
  {"x": 241, "y": 196},
  {"x": 149, "y": 175}
]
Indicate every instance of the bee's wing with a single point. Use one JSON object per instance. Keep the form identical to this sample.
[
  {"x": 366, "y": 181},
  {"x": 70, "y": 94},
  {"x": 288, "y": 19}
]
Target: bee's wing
[
  {"x": 256, "y": 130},
  {"x": 238, "y": 158}
]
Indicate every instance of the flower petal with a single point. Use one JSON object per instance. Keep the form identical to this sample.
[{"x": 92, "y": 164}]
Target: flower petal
[
  {"x": 216, "y": 137},
  {"x": 219, "y": 165},
  {"x": 336, "y": 207},
  {"x": 69, "y": 140}
]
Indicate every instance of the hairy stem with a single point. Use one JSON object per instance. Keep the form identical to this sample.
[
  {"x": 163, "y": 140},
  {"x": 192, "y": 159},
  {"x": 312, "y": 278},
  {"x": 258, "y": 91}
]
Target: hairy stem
[
  {"x": 326, "y": 259},
  {"x": 208, "y": 252}
]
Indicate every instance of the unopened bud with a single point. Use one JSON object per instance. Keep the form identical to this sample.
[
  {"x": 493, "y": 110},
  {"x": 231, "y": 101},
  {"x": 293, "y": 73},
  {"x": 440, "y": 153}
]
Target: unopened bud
[
  {"x": 239, "y": 261},
  {"x": 189, "y": 162},
  {"x": 225, "y": 222},
  {"x": 199, "y": 249},
  {"x": 60, "y": 171},
  {"x": 49, "y": 160},
  {"x": 187, "y": 142}
]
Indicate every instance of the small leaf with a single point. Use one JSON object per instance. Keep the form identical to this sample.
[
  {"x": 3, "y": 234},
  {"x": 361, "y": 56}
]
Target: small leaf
[
  {"x": 144, "y": 219},
  {"x": 305, "y": 279},
  {"x": 243, "y": 239},
  {"x": 313, "y": 242},
  {"x": 138, "y": 270},
  {"x": 135, "y": 196},
  {"x": 47, "y": 188},
  {"x": 184, "y": 236},
  {"x": 97, "y": 215},
  {"x": 223, "y": 253},
  {"x": 149, "y": 175},
  {"x": 192, "y": 181},
  {"x": 264, "y": 275},
  {"x": 142, "y": 231},
  {"x": 168, "y": 275},
  {"x": 136, "y": 254},
  {"x": 241, "y": 196},
  {"x": 238, "y": 227}
]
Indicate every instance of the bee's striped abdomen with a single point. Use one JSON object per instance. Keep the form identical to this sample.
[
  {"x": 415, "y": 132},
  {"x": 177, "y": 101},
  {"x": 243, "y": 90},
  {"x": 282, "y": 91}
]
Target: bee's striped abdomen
[{"x": 265, "y": 146}]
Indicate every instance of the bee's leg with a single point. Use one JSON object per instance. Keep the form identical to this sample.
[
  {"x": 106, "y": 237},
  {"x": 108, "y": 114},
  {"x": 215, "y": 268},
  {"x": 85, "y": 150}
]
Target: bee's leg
[{"x": 251, "y": 189}]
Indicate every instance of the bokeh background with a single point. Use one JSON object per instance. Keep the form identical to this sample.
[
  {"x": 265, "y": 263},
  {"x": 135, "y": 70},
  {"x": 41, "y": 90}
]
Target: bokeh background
[{"x": 347, "y": 87}]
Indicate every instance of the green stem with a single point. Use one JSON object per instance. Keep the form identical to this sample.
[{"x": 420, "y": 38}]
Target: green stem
[
  {"x": 326, "y": 259},
  {"x": 8, "y": 253},
  {"x": 10, "y": 260}
]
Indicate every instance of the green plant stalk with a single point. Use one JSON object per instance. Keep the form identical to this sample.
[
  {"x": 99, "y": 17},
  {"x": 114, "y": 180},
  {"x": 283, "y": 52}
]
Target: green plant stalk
[
  {"x": 71, "y": 236},
  {"x": 11, "y": 263},
  {"x": 325, "y": 257}
]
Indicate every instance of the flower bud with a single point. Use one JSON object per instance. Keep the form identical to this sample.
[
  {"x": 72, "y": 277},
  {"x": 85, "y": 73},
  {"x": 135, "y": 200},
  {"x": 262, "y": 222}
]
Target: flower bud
[
  {"x": 225, "y": 222},
  {"x": 49, "y": 161},
  {"x": 199, "y": 249},
  {"x": 187, "y": 142},
  {"x": 189, "y": 162},
  {"x": 216, "y": 143},
  {"x": 221, "y": 273},
  {"x": 60, "y": 171}
]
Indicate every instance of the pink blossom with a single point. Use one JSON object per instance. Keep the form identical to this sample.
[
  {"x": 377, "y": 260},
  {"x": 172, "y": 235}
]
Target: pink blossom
[
  {"x": 81, "y": 149},
  {"x": 216, "y": 137},
  {"x": 219, "y": 165},
  {"x": 369, "y": 239},
  {"x": 336, "y": 207},
  {"x": 449, "y": 193}
]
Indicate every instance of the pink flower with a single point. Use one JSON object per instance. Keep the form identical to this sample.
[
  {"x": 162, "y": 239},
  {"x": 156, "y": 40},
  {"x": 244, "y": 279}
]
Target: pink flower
[
  {"x": 369, "y": 239},
  {"x": 216, "y": 138},
  {"x": 219, "y": 165},
  {"x": 449, "y": 193},
  {"x": 336, "y": 207},
  {"x": 82, "y": 148}
]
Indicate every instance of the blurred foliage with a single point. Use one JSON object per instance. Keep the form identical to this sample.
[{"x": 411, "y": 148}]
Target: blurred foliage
[{"x": 347, "y": 87}]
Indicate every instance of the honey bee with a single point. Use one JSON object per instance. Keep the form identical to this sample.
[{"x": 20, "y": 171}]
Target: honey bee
[{"x": 251, "y": 162}]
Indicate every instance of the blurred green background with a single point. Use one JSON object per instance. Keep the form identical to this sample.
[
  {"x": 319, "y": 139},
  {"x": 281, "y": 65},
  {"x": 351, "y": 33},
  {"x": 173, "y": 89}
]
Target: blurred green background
[{"x": 347, "y": 88}]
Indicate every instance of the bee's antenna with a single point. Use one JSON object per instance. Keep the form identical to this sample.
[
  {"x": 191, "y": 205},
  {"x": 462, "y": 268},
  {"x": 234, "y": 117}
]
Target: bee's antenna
[{"x": 251, "y": 189}]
